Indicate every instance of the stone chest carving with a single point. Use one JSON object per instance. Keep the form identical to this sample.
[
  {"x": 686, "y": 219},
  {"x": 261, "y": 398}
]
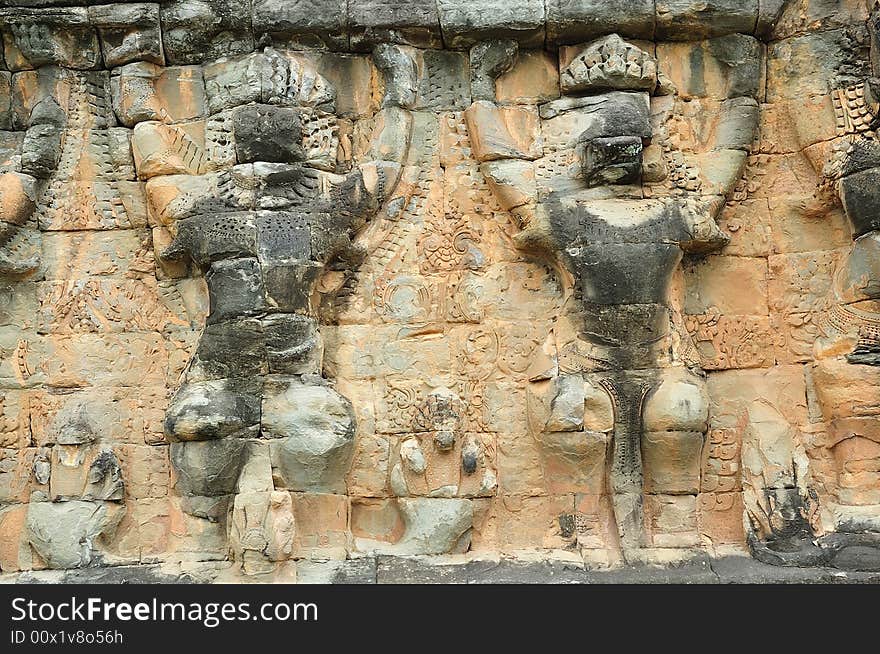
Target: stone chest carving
[{"x": 287, "y": 281}]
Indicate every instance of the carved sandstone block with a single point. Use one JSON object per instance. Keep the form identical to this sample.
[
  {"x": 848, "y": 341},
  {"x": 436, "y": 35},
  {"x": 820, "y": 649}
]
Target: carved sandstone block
[
  {"x": 161, "y": 149},
  {"x": 689, "y": 18},
  {"x": 321, "y": 525},
  {"x": 307, "y": 23},
  {"x": 15, "y": 552},
  {"x": 129, "y": 32},
  {"x": 143, "y": 91},
  {"x": 720, "y": 518},
  {"x": 382, "y": 21},
  {"x": 708, "y": 287},
  {"x": 105, "y": 360},
  {"x": 534, "y": 79},
  {"x": 17, "y": 479},
  {"x": 729, "y": 341},
  {"x": 804, "y": 65},
  {"x": 104, "y": 306},
  {"x": 528, "y": 522},
  {"x": 201, "y": 31},
  {"x": 799, "y": 282},
  {"x": 63, "y": 37},
  {"x": 570, "y": 21},
  {"x": 503, "y": 132},
  {"x": 731, "y": 393},
  {"x": 464, "y": 23},
  {"x": 805, "y": 15}
]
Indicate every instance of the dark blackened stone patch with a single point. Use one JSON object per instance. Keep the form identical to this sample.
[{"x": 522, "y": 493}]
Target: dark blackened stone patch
[
  {"x": 861, "y": 200},
  {"x": 207, "y": 468},
  {"x": 41, "y": 150},
  {"x": 292, "y": 344},
  {"x": 858, "y": 558},
  {"x": 232, "y": 348},
  {"x": 566, "y": 525},
  {"x": 283, "y": 235},
  {"x": 615, "y": 160},
  {"x": 611, "y": 273},
  {"x": 235, "y": 288},
  {"x": 214, "y": 409},
  {"x": 619, "y": 114},
  {"x": 289, "y": 285},
  {"x": 267, "y": 133},
  {"x": 214, "y": 236}
]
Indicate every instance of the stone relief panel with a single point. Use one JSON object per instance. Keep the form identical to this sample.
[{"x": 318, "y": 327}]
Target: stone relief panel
[{"x": 299, "y": 281}]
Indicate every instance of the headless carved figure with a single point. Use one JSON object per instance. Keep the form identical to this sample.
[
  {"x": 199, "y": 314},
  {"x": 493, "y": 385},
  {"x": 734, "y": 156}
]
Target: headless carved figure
[{"x": 622, "y": 255}]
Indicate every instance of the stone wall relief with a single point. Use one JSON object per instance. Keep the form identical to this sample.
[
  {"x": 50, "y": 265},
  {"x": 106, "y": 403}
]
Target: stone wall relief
[
  {"x": 832, "y": 518},
  {"x": 607, "y": 195},
  {"x": 411, "y": 291},
  {"x": 261, "y": 210}
]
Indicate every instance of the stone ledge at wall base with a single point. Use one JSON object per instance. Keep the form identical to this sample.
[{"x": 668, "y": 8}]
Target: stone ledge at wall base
[{"x": 701, "y": 569}]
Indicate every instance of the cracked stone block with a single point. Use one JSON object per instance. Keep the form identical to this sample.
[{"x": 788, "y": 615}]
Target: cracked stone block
[
  {"x": 464, "y": 23},
  {"x": 207, "y": 468},
  {"x": 692, "y": 19},
  {"x": 312, "y": 430},
  {"x": 67, "y": 534},
  {"x": 415, "y": 23},
  {"x": 45, "y": 37},
  {"x": 197, "y": 31},
  {"x": 129, "y": 32},
  {"x": 143, "y": 91},
  {"x": 572, "y": 21},
  {"x": 302, "y": 23}
]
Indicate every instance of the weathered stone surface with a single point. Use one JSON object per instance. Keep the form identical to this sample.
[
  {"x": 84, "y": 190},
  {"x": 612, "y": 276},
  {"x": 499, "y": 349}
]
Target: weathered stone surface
[
  {"x": 129, "y": 32},
  {"x": 207, "y": 469},
  {"x": 161, "y": 149},
  {"x": 432, "y": 526},
  {"x": 570, "y": 21},
  {"x": 144, "y": 91},
  {"x": 723, "y": 67},
  {"x": 67, "y": 534},
  {"x": 534, "y": 78},
  {"x": 590, "y": 282},
  {"x": 503, "y": 132},
  {"x": 310, "y": 23},
  {"x": 609, "y": 64},
  {"x": 856, "y": 192},
  {"x": 64, "y": 36},
  {"x": 266, "y": 133},
  {"x": 193, "y": 32},
  {"x": 322, "y": 526},
  {"x": 211, "y": 409},
  {"x": 748, "y": 295},
  {"x": 18, "y": 195},
  {"x": 684, "y": 19},
  {"x": 312, "y": 435},
  {"x": 387, "y": 21},
  {"x": 464, "y": 23}
]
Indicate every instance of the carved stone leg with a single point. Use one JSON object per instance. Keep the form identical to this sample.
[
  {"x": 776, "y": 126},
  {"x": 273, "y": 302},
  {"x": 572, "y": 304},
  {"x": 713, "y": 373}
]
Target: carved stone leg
[{"x": 626, "y": 473}]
